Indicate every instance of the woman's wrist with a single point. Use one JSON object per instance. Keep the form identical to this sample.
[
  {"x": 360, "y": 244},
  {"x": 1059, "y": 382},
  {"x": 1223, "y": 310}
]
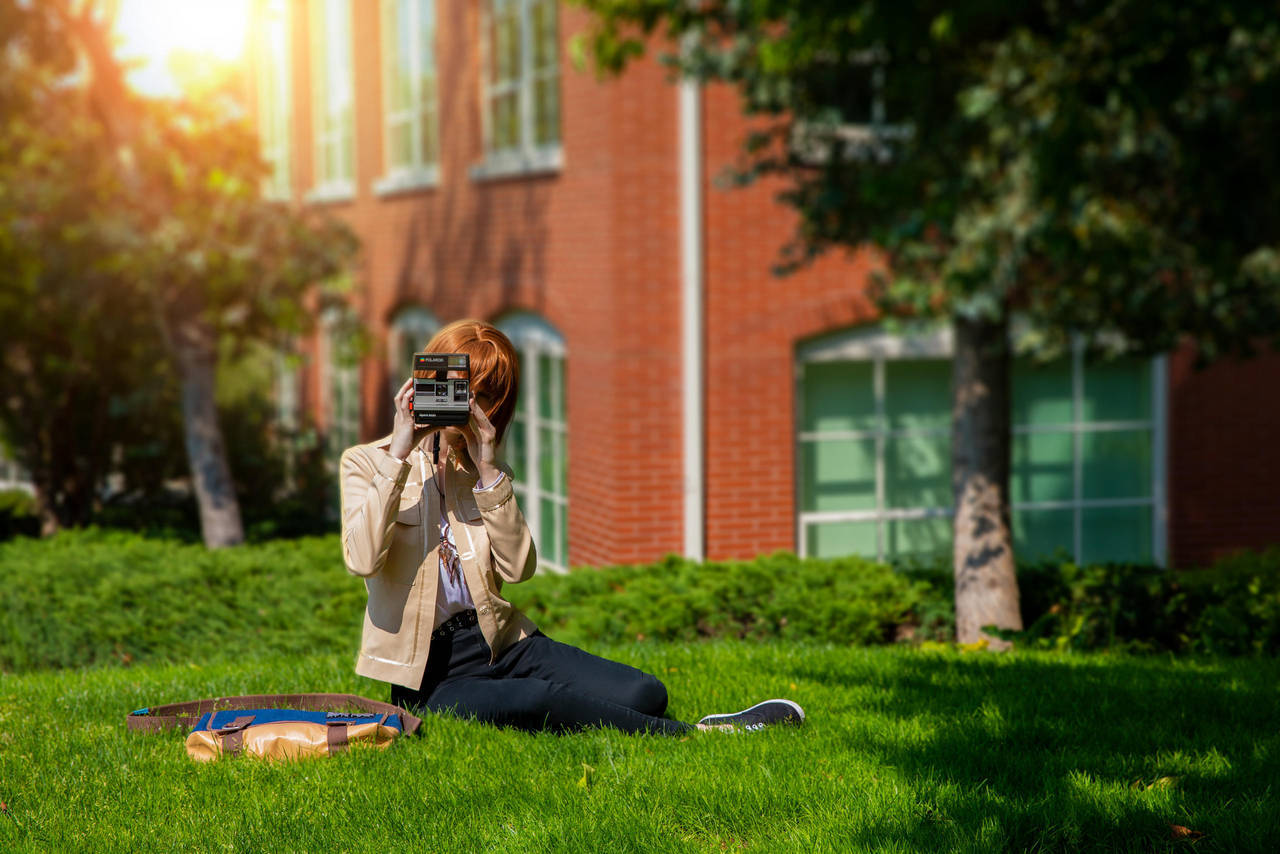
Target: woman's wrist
[{"x": 489, "y": 474}]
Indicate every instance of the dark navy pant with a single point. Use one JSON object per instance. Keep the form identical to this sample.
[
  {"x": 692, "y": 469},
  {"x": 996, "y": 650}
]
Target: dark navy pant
[{"x": 537, "y": 684}]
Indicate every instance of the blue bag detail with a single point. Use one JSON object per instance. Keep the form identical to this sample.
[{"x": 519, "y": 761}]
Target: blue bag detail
[
  {"x": 219, "y": 719},
  {"x": 145, "y": 711}
]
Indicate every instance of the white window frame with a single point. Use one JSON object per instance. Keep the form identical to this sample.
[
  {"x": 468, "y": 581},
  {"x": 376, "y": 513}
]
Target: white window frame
[
  {"x": 13, "y": 476},
  {"x": 275, "y": 98},
  {"x": 414, "y": 323},
  {"x": 878, "y": 347},
  {"x": 527, "y": 158},
  {"x": 327, "y": 128},
  {"x": 533, "y": 337},
  {"x": 423, "y": 118}
]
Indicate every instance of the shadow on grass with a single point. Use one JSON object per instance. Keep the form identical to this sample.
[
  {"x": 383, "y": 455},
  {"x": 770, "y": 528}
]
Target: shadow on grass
[{"x": 1039, "y": 752}]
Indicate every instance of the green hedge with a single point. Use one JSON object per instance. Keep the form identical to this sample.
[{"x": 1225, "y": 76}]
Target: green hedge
[
  {"x": 110, "y": 597},
  {"x": 846, "y": 600},
  {"x": 96, "y": 596},
  {"x": 1231, "y": 608}
]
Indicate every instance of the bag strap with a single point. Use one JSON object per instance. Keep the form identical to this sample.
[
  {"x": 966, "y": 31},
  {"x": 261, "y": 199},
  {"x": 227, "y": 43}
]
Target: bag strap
[{"x": 156, "y": 718}]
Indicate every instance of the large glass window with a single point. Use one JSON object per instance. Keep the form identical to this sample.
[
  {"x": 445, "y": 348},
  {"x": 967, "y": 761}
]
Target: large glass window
[
  {"x": 523, "y": 80},
  {"x": 333, "y": 111},
  {"x": 275, "y": 116},
  {"x": 536, "y": 444},
  {"x": 874, "y": 455},
  {"x": 409, "y": 93}
]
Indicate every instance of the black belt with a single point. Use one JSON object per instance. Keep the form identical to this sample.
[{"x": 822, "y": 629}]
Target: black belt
[{"x": 455, "y": 624}]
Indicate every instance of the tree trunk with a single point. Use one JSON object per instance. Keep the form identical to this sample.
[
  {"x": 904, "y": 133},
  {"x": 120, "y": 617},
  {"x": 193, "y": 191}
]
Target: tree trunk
[
  {"x": 986, "y": 581},
  {"x": 196, "y": 356}
]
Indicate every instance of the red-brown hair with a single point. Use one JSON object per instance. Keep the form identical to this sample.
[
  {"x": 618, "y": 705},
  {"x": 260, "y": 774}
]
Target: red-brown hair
[{"x": 495, "y": 369}]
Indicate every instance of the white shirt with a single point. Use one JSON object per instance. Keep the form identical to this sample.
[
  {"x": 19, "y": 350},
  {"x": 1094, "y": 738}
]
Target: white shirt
[{"x": 451, "y": 598}]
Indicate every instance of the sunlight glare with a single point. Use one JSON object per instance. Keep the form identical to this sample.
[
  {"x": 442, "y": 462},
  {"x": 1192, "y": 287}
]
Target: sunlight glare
[{"x": 152, "y": 30}]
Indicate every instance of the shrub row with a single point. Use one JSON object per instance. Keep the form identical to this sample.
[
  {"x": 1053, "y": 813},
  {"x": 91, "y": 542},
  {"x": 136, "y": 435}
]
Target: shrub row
[
  {"x": 98, "y": 596},
  {"x": 1231, "y": 608},
  {"x": 94, "y": 597}
]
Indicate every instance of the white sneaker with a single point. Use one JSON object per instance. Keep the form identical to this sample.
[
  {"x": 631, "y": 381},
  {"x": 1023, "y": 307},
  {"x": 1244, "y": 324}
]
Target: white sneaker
[{"x": 758, "y": 716}]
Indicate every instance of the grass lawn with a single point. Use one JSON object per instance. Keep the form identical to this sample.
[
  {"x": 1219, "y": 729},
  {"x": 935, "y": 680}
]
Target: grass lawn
[{"x": 904, "y": 751}]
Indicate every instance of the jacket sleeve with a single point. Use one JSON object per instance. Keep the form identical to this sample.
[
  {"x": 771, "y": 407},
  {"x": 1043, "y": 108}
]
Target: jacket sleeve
[
  {"x": 514, "y": 557},
  {"x": 372, "y": 481}
]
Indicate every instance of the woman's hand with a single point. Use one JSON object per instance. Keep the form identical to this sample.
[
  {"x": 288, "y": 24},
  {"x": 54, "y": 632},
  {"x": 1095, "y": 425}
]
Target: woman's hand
[
  {"x": 404, "y": 438},
  {"x": 481, "y": 438}
]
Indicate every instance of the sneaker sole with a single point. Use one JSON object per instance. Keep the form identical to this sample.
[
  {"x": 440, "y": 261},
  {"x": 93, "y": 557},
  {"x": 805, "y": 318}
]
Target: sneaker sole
[{"x": 712, "y": 719}]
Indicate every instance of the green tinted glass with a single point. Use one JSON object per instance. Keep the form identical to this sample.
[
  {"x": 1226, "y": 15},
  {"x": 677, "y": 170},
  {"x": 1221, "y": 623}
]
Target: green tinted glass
[
  {"x": 838, "y": 396},
  {"x": 1117, "y": 391},
  {"x": 1119, "y": 534},
  {"x": 546, "y": 460},
  {"x": 1043, "y": 468},
  {"x": 546, "y": 110},
  {"x": 917, "y": 471},
  {"x": 561, "y": 482},
  {"x": 1043, "y": 534},
  {"x": 839, "y": 475},
  {"x": 837, "y": 539},
  {"x": 516, "y": 448},
  {"x": 543, "y": 15},
  {"x": 548, "y": 529},
  {"x": 918, "y": 538},
  {"x": 918, "y": 394},
  {"x": 1117, "y": 464},
  {"x": 1041, "y": 394},
  {"x": 564, "y": 535}
]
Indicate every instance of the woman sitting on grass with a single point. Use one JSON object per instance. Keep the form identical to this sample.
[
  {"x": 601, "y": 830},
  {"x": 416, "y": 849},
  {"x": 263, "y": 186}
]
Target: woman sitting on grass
[{"x": 430, "y": 521}]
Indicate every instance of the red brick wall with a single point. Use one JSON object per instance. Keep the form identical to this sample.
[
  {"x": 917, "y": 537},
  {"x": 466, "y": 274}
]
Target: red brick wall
[
  {"x": 1224, "y": 457},
  {"x": 754, "y": 319},
  {"x": 593, "y": 249}
]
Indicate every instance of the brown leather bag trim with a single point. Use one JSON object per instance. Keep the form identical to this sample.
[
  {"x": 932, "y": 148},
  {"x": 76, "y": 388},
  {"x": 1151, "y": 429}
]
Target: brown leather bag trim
[
  {"x": 188, "y": 714},
  {"x": 337, "y": 737},
  {"x": 233, "y": 735}
]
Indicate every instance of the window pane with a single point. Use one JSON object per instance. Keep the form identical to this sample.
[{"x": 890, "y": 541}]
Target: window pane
[
  {"x": 564, "y": 535},
  {"x": 836, "y": 539},
  {"x": 917, "y": 471},
  {"x": 548, "y": 525},
  {"x": 543, "y": 16},
  {"x": 561, "y": 482},
  {"x": 1121, "y": 534},
  {"x": 1041, "y": 393},
  {"x": 918, "y": 394},
  {"x": 547, "y": 473},
  {"x": 517, "y": 447},
  {"x": 1042, "y": 534},
  {"x": 838, "y": 396},
  {"x": 839, "y": 475},
  {"x": 399, "y": 144},
  {"x": 506, "y": 122},
  {"x": 917, "y": 538},
  {"x": 1117, "y": 464},
  {"x": 546, "y": 106},
  {"x": 1043, "y": 468},
  {"x": 399, "y": 41},
  {"x": 550, "y": 387},
  {"x": 1117, "y": 391},
  {"x": 504, "y": 63}
]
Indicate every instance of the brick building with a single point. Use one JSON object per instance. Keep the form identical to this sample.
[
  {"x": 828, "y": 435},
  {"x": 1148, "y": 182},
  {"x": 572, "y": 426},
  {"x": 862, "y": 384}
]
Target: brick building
[{"x": 678, "y": 396}]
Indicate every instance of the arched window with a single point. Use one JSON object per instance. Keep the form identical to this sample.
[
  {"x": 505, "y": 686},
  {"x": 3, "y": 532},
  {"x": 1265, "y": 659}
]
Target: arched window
[
  {"x": 536, "y": 445},
  {"x": 411, "y": 329},
  {"x": 873, "y": 463}
]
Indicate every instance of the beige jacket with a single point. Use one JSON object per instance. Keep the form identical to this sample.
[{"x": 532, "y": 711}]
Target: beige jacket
[{"x": 388, "y": 540}]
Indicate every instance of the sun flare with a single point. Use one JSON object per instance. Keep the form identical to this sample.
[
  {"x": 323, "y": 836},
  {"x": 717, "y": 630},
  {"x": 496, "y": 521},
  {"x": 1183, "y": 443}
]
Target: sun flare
[{"x": 154, "y": 30}]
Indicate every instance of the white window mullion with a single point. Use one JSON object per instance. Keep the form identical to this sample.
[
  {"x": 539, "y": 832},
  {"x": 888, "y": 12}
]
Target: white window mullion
[
  {"x": 1077, "y": 447},
  {"x": 878, "y": 381},
  {"x": 1159, "y": 460},
  {"x": 533, "y": 445}
]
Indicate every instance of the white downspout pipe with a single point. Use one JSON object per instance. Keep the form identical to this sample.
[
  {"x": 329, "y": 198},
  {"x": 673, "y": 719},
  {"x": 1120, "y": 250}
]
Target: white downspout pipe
[{"x": 689, "y": 106}]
